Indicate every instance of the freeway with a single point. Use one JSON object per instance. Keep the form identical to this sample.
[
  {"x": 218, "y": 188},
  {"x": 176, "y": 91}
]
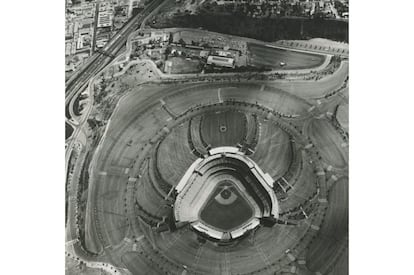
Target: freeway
[
  {"x": 99, "y": 59},
  {"x": 80, "y": 80}
]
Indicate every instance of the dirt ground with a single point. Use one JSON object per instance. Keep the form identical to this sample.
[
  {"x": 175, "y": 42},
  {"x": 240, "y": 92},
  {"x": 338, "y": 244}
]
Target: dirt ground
[
  {"x": 181, "y": 65},
  {"x": 74, "y": 268}
]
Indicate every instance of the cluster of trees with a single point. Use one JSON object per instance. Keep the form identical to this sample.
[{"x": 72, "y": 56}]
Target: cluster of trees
[
  {"x": 77, "y": 108},
  {"x": 266, "y": 29},
  {"x": 68, "y": 130},
  {"x": 283, "y": 8},
  {"x": 100, "y": 92},
  {"x": 214, "y": 69},
  {"x": 340, "y": 7}
]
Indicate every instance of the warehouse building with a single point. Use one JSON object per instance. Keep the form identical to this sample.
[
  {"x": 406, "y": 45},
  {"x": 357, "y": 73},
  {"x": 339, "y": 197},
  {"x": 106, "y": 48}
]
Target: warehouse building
[{"x": 220, "y": 61}]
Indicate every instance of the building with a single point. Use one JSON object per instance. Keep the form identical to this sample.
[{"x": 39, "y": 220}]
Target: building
[
  {"x": 153, "y": 36},
  {"x": 105, "y": 19},
  {"x": 168, "y": 67},
  {"x": 244, "y": 196},
  {"x": 220, "y": 61}
]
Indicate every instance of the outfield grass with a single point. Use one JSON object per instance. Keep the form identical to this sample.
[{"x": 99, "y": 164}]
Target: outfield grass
[
  {"x": 273, "y": 152},
  {"x": 235, "y": 123}
]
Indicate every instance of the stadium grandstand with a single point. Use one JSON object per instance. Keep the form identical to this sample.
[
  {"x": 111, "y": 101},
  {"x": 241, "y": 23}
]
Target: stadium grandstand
[{"x": 225, "y": 195}]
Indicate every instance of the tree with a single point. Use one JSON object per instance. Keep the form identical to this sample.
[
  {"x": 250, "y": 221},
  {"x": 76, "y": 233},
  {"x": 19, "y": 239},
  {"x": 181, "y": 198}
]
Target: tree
[
  {"x": 182, "y": 42},
  {"x": 167, "y": 51}
]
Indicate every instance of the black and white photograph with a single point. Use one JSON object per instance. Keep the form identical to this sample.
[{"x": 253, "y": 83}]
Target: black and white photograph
[{"x": 206, "y": 137}]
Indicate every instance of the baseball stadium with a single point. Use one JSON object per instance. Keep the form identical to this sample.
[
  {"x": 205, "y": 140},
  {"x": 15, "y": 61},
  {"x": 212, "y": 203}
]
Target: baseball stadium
[{"x": 214, "y": 176}]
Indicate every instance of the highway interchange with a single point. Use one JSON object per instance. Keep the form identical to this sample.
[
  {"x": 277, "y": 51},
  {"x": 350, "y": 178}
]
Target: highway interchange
[
  {"x": 79, "y": 82},
  {"x": 101, "y": 58}
]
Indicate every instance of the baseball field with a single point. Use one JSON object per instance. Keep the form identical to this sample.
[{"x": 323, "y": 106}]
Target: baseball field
[
  {"x": 159, "y": 129},
  {"x": 226, "y": 216}
]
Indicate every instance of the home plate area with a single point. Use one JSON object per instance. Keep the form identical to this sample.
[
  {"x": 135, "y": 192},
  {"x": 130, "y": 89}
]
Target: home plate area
[
  {"x": 226, "y": 208},
  {"x": 226, "y": 196}
]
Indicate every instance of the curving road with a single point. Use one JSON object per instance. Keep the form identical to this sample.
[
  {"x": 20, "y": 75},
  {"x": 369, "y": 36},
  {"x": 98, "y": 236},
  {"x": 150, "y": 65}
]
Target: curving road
[{"x": 120, "y": 176}]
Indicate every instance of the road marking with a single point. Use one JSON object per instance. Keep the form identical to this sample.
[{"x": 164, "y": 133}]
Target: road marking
[
  {"x": 263, "y": 255},
  {"x": 198, "y": 254},
  {"x": 226, "y": 270},
  {"x": 219, "y": 95},
  {"x": 304, "y": 213}
]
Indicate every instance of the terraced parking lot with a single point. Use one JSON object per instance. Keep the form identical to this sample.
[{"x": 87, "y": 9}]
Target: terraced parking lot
[{"x": 158, "y": 129}]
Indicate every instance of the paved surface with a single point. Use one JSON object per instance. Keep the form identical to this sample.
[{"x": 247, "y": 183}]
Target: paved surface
[
  {"x": 131, "y": 172},
  {"x": 271, "y": 56}
]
